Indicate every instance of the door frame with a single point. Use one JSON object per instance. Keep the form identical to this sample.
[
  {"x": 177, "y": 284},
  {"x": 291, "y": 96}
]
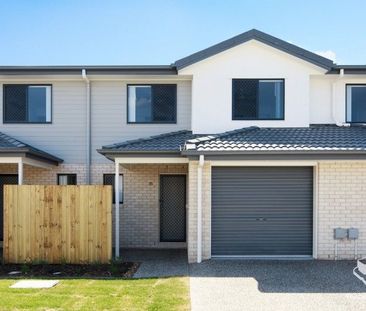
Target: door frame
[
  {"x": 161, "y": 176},
  {"x": 6, "y": 175},
  {"x": 279, "y": 163}
]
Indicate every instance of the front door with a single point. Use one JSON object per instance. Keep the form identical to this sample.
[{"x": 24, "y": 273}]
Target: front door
[
  {"x": 5, "y": 180},
  {"x": 172, "y": 208}
]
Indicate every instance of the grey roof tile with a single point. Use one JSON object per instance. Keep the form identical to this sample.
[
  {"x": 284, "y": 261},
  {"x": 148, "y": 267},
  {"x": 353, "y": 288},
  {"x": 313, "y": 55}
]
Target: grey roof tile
[
  {"x": 313, "y": 138},
  {"x": 324, "y": 138},
  {"x": 9, "y": 144},
  {"x": 167, "y": 142}
]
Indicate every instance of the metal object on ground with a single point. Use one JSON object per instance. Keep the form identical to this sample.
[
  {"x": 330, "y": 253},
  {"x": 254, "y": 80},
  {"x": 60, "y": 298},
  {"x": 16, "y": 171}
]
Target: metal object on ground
[{"x": 360, "y": 271}]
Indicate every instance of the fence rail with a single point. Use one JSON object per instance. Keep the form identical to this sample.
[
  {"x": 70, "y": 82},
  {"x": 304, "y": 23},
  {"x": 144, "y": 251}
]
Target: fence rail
[{"x": 55, "y": 224}]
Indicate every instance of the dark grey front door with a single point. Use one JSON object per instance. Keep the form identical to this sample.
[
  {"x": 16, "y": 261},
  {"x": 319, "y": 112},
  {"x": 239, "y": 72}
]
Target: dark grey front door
[
  {"x": 262, "y": 211},
  {"x": 172, "y": 208},
  {"x": 5, "y": 180}
]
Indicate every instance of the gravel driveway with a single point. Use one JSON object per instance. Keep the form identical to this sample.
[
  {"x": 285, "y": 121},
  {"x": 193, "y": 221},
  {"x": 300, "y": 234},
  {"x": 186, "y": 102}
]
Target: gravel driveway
[{"x": 275, "y": 285}]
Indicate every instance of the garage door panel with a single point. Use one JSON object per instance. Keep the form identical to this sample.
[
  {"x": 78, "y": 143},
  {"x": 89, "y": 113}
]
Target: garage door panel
[{"x": 262, "y": 211}]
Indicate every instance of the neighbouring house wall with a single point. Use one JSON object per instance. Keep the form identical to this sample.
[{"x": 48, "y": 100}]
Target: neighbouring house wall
[
  {"x": 212, "y": 86},
  {"x": 341, "y": 203},
  {"x": 192, "y": 211},
  {"x": 109, "y": 114},
  {"x": 65, "y": 136},
  {"x": 328, "y": 98}
]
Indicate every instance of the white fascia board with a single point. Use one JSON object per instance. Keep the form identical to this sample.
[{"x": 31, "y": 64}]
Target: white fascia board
[
  {"x": 37, "y": 163},
  {"x": 157, "y": 160},
  {"x": 10, "y": 160},
  {"x": 263, "y": 163}
]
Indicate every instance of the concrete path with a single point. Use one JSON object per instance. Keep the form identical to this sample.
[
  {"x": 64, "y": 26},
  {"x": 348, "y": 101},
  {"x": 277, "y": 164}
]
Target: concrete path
[
  {"x": 275, "y": 285},
  {"x": 158, "y": 263}
]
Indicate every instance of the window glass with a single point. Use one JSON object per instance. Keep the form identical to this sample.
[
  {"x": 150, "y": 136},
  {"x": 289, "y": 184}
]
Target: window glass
[
  {"x": 66, "y": 179},
  {"x": 255, "y": 99},
  {"x": 152, "y": 103},
  {"x": 109, "y": 180},
  {"x": 356, "y": 103},
  {"x": 27, "y": 103}
]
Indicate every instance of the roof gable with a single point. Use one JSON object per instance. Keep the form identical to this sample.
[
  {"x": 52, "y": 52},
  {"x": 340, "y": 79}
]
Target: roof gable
[{"x": 255, "y": 34}]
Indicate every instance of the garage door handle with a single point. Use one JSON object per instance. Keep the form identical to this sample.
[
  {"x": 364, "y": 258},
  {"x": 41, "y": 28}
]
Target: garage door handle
[{"x": 261, "y": 219}]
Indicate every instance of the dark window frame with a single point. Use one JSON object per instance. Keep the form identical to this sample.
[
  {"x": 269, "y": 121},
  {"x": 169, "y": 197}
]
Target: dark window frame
[
  {"x": 113, "y": 194},
  {"x": 152, "y": 84},
  {"x": 27, "y": 122},
  {"x": 258, "y": 119},
  {"x": 346, "y": 102},
  {"x": 68, "y": 175}
]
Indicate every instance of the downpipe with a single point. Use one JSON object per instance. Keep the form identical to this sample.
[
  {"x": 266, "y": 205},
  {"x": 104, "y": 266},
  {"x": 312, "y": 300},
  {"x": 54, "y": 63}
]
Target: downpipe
[{"x": 88, "y": 126}]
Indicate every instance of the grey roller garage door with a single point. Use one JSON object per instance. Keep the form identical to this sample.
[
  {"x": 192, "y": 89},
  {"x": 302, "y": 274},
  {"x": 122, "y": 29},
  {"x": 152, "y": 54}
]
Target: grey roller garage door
[{"x": 262, "y": 211}]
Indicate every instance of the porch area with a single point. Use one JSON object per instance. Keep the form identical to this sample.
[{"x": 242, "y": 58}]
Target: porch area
[{"x": 153, "y": 209}]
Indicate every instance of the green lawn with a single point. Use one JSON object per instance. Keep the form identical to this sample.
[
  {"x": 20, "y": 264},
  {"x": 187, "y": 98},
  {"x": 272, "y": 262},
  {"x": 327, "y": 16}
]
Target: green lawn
[{"x": 85, "y": 294}]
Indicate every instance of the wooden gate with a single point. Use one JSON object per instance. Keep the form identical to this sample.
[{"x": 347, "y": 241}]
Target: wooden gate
[{"x": 56, "y": 224}]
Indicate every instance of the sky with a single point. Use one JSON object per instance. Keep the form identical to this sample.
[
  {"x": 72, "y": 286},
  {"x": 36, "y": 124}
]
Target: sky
[{"x": 158, "y": 32}]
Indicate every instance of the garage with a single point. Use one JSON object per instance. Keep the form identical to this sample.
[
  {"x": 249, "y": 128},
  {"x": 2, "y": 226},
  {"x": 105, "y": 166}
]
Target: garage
[{"x": 262, "y": 211}]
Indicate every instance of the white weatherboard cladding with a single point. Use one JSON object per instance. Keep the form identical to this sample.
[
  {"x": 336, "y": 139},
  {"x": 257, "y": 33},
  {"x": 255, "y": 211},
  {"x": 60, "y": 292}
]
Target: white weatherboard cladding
[
  {"x": 109, "y": 114},
  {"x": 212, "y": 86},
  {"x": 64, "y": 137},
  {"x": 328, "y": 93}
]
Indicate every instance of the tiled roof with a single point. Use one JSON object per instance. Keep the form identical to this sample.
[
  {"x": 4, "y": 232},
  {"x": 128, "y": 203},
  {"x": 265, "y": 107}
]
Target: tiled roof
[
  {"x": 327, "y": 138},
  {"x": 11, "y": 145},
  {"x": 168, "y": 142}
]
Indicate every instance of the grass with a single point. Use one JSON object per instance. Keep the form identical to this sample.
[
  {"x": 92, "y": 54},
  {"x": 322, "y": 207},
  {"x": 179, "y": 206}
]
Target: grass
[{"x": 90, "y": 294}]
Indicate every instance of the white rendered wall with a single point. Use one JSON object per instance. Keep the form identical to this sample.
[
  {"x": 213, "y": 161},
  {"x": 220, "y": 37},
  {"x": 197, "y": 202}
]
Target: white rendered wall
[{"x": 212, "y": 86}]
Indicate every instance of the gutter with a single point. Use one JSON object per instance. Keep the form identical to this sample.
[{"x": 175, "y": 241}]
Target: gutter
[{"x": 88, "y": 126}]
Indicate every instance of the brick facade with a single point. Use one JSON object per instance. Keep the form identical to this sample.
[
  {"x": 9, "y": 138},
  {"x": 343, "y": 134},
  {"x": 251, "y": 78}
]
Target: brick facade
[
  {"x": 139, "y": 213},
  {"x": 192, "y": 211},
  {"x": 341, "y": 203}
]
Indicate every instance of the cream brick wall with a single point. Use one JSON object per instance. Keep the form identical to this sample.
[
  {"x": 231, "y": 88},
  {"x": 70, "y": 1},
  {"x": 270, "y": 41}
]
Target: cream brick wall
[
  {"x": 35, "y": 175},
  {"x": 192, "y": 211},
  {"x": 341, "y": 203},
  {"x": 139, "y": 213}
]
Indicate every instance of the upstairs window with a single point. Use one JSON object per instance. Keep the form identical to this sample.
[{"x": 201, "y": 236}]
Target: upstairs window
[
  {"x": 257, "y": 99},
  {"x": 66, "y": 179},
  {"x": 27, "y": 103},
  {"x": 156, "y": 103},
  {"x": 356, "y": 103}
]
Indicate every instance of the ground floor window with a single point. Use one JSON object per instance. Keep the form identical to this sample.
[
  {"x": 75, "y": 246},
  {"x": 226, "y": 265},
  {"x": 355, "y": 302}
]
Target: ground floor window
[
  {"x": 108, "y": 179},
  {"x": 66, "y": 179}
]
